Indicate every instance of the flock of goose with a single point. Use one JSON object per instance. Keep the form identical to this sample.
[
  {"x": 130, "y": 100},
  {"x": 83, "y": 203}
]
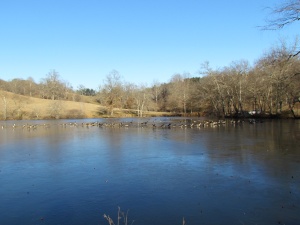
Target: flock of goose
[{"x": 187, "y": 123}]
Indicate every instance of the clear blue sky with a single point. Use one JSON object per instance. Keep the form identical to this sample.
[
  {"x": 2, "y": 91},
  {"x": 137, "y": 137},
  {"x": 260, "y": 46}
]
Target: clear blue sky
[{"x": 145, "y": 40}]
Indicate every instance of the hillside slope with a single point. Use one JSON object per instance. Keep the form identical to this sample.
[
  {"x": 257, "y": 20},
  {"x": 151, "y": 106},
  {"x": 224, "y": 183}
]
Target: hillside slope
[
  {"x": 19, "y": 107},
  {"x": 13, "y": 106}
]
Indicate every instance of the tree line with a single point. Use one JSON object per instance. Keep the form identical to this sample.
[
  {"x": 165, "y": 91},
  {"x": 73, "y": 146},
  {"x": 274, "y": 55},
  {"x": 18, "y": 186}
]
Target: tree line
[{"x": 271, "y": 86}]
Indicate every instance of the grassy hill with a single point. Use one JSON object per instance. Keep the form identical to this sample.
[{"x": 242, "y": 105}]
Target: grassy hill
[
  {"x": 23, "y": 107},
  {"x": 19, "y": 107}
]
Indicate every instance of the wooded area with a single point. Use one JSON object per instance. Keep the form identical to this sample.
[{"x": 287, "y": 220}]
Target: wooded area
[{"x": 269, "y": 87}]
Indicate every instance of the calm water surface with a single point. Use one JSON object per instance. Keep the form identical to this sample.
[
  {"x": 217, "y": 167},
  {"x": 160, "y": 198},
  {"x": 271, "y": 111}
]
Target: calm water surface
[{"x": 243, "y": 174}]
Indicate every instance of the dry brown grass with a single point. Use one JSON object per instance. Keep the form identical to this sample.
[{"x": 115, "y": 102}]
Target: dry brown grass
[
  {"x": 24, "y": 107},
  {"x": 122, "y": 217}
]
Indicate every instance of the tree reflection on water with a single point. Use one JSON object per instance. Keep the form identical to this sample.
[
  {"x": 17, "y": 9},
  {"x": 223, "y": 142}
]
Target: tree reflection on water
[{"x": 73, "y": 174}]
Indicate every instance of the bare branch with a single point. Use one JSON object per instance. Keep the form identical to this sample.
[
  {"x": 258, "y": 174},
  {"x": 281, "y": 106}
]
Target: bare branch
[{"x": 283, "y": 15}]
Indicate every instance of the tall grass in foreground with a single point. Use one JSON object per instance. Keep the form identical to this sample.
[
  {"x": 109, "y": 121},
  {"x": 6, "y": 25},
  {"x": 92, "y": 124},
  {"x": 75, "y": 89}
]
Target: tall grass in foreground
[
  {"x": 121, "y": 217},
  {"x": 124, "y": 218}
]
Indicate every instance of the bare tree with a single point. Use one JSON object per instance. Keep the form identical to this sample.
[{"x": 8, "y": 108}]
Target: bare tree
[
  {"x": 164, "y": 96},
  {"x": 208, "y": 95},
  {"x": 53, "y": 87},
  {"x": 128, "y": 101},
  {"x": 217, "y": 90},
  {"x": 284, "y": 14},
  {"x": 17, "y": 86},
  {"x": 141, "y": 97},
  {"x": 256, "y": 83},
  {"x": 155, "y": 91},
  {"x": 281, "y": 72},
  {"x": 293, "y": 94},
  {"x": 179, "y": 92},
  {"x": 3, "y": 85},
  {"x": 30, "y": 85},
  {"x": 237, "y": 84},
  {"x": 80, "y": 89},
  {"x": 111, "y": 91}
]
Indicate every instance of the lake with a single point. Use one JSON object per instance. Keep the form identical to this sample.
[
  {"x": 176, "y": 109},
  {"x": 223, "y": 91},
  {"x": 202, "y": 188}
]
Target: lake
[{"x": 75, "y": 171}]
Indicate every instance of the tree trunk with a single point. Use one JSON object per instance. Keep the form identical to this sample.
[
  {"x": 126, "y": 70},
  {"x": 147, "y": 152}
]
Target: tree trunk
[{"x": 4, "y": 108}]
